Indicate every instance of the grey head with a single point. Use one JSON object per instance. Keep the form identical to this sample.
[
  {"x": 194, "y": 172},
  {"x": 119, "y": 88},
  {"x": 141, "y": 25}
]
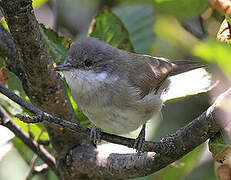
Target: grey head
[{"x": 91, "y": 54}]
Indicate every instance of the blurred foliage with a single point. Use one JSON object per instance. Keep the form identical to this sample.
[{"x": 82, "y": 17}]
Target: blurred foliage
[
  {"x": 215, "y": 52},
  {"x": 181, "y": 8},
  {"x": 139, "y": 21},
  {"x": 219, "y": 147},
  {"x": 147, "y": 26}
]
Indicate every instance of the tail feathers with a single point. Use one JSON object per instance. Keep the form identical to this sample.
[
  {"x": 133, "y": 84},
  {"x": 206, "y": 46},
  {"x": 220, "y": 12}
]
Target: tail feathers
[
  {"x": 184, "y": 66},
  {"x": 189, "y": 83}
]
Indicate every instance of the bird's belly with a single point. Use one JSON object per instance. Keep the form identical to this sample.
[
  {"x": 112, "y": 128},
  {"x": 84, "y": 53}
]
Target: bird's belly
[{"x": 116, "y": 121}]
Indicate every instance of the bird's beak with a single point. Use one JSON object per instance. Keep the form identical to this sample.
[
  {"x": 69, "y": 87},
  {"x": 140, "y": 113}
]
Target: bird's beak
[{"x": 63, "y": 67}]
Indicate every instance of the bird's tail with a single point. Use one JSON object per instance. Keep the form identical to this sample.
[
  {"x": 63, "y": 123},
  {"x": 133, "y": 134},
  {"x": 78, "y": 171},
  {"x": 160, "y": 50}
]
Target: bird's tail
[
  {"x": 184, "y": 66},
  {"x": 188, "y": 78}
]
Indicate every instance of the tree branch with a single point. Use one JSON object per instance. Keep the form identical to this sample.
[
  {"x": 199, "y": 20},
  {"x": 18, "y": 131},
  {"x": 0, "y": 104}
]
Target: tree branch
[
  {"x": 173, "y": 147},
  {"x": 43, "y": 86},
  {"x": 9, "y": 53},
  {"x": 6, "y": 121}
]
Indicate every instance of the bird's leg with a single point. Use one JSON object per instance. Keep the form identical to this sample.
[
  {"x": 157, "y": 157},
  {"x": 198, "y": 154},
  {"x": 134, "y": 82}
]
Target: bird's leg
[
  {"x": 139, "y": 141},
  {"x": 95, "y": 134}
]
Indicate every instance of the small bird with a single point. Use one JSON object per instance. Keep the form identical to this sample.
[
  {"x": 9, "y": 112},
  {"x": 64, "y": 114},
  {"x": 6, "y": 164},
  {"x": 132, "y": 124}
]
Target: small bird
[{"x": 118, "y": 91}]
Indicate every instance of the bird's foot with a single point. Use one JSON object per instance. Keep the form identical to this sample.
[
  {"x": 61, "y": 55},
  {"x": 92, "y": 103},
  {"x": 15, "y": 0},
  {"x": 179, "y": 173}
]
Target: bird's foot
[
  {"x": 95, "y": 134},
  {"x": 139, "y": 141}
]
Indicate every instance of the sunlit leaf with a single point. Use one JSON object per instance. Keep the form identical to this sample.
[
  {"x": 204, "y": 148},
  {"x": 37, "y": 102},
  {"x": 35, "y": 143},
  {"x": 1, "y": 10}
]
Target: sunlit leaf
[
  {"x": 3, "y": 22},
  {"x": 107, "y": 27},
  {"x": 34, "y": 128},
  {"x": 139, "y": 21},
  {"x": 38, "y": 3},
  {"x": 57, "y": 45}
]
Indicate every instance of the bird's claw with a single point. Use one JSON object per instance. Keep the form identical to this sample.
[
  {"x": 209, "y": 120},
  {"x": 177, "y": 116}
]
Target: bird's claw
[
  {"x": 95, "y": 134},
  {"x": 139, "y": 141}
]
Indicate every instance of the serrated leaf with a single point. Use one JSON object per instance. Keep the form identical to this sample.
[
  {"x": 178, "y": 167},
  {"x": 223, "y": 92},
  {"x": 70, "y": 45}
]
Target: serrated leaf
[
  {"x": 219, "y": 147},
  {"x": 181, "y": 8},
  {"x": 139, "y": 21},
  {"x": 107, "y": 27},
  {"x": 57, "y": 45}
]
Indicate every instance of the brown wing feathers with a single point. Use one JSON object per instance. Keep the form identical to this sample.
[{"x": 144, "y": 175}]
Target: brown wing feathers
[{"x": 156, "y": 72}]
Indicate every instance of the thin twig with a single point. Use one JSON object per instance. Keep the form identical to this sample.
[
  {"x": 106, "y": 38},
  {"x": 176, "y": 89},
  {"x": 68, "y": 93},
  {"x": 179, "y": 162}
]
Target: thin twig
[
  {"x": 41, "y": 168},
  {"x": 33, "y": 145},
  {"x": 32, "y": 165},
  {"x": 34, "y": 160}
]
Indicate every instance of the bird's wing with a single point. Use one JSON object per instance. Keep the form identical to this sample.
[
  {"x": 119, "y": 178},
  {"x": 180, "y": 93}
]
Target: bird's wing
[{"x": 150, "y": 74}]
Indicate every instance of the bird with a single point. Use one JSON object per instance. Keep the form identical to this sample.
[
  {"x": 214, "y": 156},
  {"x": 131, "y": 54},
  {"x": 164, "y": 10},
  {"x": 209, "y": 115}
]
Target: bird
[{"x": 119, "y": 91}]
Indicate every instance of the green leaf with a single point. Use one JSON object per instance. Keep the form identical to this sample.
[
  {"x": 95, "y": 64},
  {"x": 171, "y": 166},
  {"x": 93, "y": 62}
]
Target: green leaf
[
  {"x": 4, "y": 23},
  {"x": 25, "y": 152},
  {"x": 139, "y": 21},
  {"x": 181, "y": 8},
  {"x": 14, "y": 84},
  {"x": 57, "y": 45},
  {"x": 37, "y": 3},
  {"x": 219, "y": 147},
  {"x": 107, "y": 27},
  {"x": 215, "y": 52},
  {"x": 36, "y": 129},
  {"x": 38, "y": 133}
]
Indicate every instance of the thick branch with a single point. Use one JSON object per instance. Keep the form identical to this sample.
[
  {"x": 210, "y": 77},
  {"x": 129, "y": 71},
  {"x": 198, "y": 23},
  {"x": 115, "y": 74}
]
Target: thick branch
[
  {"x": 173, "y": 147},
  {"x": 6, "y": 121},
  {"x": 42, "y": 85}
]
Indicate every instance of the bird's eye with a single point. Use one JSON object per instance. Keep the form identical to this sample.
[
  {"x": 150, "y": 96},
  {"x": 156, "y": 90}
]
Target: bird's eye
[{"x": 88, "y": 62}]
